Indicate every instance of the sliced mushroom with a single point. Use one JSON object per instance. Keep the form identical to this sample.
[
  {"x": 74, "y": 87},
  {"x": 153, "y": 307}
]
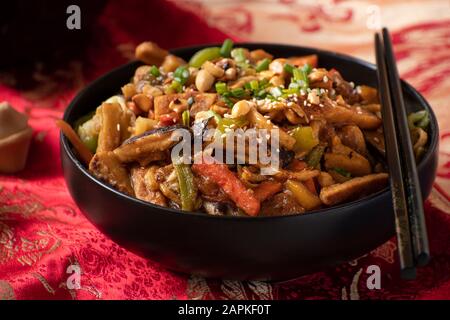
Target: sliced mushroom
[
  {"x": 353, "y": 189},
  {"x": 352, "y": 137},
  {"x": 144, "y": 145},
  {"x": 215, "y": 208},
  {"x": 105, "y": 166},
  {"x": 376, "y": 139},
  {"x": 281, "y": 204}
]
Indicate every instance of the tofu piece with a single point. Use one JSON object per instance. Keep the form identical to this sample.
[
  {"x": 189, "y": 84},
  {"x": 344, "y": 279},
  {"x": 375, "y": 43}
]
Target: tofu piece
[
  {"x": 353, "y": 189},
  {"x": 109, "y": 137}
]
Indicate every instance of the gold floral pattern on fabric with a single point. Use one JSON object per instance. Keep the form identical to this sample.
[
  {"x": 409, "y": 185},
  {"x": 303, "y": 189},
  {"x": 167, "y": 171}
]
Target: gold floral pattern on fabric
[{"x": 6, "y": 291}]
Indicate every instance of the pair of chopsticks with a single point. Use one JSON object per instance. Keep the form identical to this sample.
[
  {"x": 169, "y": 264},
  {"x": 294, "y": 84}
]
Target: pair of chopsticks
[{"x": 406, "y": 195}]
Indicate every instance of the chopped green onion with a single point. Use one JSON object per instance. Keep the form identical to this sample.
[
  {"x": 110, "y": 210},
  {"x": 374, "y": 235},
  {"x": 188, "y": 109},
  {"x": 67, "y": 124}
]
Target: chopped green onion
[
  {"x": 263, "y": 65},
  {"x": 238, "y": 54},
  {"x": 176, "y": 86},
  {"x": 260, "y": 94},
  {"x": 315, "y": 155},
  {"x": 203, "y": 55},
  {"x": 227, "y": 101},
  {"x": 225, "y": 50},
  {"x": 186, "y": 117},
  {"x": 254, "y": 85},
  {"x": 232, "y": 123},
  {"x": 238, "y": 93},
  {"x": 154, "y": 71},
  {"x": 221, "y": 87},
  {"x": 289, "y": 68},
  {"x": 264, "y": 83},
  {"x": 181, "y": 74},
  {"x": 300, "y": 76},
  {"x": 276, "y": 92},
  {"x": 213, "y": 114},
  {"x": 343, "y": 172},
  {"x": 306, "y": 68}
]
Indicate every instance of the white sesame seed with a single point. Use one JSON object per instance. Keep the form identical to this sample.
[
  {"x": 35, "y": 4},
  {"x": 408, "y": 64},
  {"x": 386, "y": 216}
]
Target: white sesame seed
[{"x": 325, "y": 79}]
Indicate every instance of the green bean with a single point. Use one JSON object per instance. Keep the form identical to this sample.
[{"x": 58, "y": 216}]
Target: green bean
[
  {"x": 225, "y": 50},
  {"x": 263, "y": 65},
  {"x": 315, "y": 155}
]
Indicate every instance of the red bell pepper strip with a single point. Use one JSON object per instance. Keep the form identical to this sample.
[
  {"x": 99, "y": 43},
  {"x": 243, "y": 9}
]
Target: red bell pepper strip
[
  {"x": 266, "y": 189},
  {"x": 231, "y": 185}
]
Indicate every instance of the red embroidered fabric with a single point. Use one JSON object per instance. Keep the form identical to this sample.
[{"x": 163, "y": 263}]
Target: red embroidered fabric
[{"x": 42, "y": 231}]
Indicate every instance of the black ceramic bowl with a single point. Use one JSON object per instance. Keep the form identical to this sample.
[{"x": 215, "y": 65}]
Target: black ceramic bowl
[{"x": 262, "y": 248}]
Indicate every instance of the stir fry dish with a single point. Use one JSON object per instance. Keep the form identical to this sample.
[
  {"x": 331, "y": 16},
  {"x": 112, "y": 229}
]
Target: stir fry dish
[{"x": 331, "y": 144}]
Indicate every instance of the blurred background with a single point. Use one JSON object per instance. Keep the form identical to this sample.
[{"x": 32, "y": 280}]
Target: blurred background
[{"x": 36, "y": 41}]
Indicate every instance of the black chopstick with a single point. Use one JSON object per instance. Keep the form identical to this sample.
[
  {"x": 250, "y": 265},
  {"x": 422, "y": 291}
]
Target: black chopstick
[
  {"x": 405, "y": 250},
  {"x": 406, "y": 195},
  {"x": 410, "y": 176}
]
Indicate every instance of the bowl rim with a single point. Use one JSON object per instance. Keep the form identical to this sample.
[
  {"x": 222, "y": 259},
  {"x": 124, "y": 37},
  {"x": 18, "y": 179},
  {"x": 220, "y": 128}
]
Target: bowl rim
[{"x": 334, "y": 209}]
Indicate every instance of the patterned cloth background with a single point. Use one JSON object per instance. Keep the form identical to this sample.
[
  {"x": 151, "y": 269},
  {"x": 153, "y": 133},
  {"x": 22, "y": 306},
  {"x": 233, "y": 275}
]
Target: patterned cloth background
[{"x": 42, "y": 231}]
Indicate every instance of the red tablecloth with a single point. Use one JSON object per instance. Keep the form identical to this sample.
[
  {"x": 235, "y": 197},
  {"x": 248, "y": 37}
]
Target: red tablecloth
[{"x": 42, "y": 231}]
